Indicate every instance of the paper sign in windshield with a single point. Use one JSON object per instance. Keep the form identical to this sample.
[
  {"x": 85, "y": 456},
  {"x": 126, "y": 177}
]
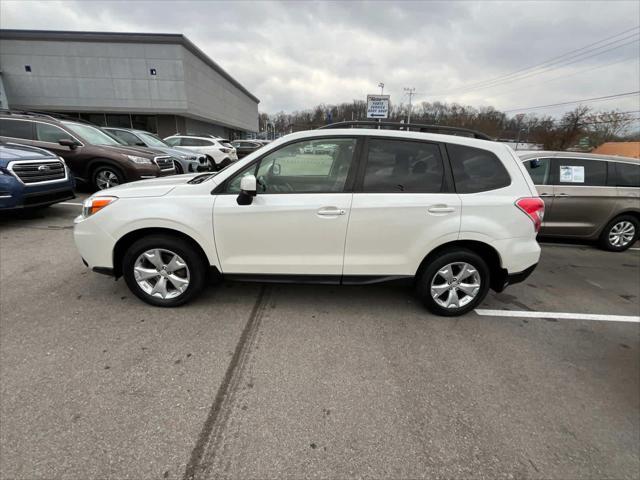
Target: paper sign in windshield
[{"x": 572, "y": 174}]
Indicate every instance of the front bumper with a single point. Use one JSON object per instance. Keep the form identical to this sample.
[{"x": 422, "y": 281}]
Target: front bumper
[
  {"x": 15, "y": 195},
  {"x": 93, "y": 243}
]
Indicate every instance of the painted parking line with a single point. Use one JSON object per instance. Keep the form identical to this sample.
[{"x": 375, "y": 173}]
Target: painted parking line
[{"x": 558, "y": 315}]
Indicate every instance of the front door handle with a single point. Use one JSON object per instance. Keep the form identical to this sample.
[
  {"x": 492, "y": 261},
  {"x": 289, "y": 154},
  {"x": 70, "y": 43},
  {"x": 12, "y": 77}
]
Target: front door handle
[
  {"x": 563, "y": 195},
  {"x": 331, "y": 212},
  {"x": 546, "y": 195},
  {"x": 441, "y": 209}
]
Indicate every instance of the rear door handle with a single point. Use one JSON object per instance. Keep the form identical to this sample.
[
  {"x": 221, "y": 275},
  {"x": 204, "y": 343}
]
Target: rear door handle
[
  {"x": 562, "y": 195},
  {"x": 331, "y": 212},
  {"x": 441, "y": 209}
]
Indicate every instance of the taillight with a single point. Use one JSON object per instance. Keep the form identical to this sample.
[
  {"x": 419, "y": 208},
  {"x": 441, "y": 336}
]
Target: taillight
[{"x": 534, "y": 208}]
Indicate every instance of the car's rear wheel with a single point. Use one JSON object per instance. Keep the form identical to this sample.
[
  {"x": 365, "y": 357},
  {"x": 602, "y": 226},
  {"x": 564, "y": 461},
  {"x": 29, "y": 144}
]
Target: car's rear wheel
[
  {"x": 454, "y": 283},
  {"x": 106, "y": 176},
  {"x": 163, "y": 270},
  {"x": 620, "y": 233}
]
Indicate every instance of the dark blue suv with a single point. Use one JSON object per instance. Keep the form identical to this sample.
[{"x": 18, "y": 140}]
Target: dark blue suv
[{"x": 32, "y": 177}]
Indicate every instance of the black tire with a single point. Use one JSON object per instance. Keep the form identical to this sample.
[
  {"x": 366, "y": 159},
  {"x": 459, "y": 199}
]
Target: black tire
[
  {"x": 223, "y": 163},
  {"x": 195, "y": 263},
  {"x": 430, "y": 273},
  {"x": 212, "y": 164},
  {"x": 106, "y": 170},
  {"x": 179, "y": 169},
  {"x": 606, "y": 241}
]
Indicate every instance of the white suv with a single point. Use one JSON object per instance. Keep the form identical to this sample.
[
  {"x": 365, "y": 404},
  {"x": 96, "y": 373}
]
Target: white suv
[
  {"x": 455, "y": 215},
  {"x": 218, "y": 150}
]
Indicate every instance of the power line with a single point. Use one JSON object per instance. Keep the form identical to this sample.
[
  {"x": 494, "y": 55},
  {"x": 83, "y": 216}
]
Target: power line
[
  {"x": 585, "y": 100},
  {"x": 551, "y": 60},
  {"x": 565, "y": 76}
]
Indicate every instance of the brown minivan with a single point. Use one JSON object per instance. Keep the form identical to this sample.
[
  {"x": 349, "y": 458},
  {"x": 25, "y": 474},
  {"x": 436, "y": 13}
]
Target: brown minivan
[
  {"x": 591, "y": 197},
  {"x": 91, "y": 154}
]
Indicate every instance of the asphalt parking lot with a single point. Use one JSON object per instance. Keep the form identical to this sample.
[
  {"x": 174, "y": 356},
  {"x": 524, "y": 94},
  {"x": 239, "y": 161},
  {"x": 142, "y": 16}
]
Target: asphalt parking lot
[{"x": 274, "y": 381}]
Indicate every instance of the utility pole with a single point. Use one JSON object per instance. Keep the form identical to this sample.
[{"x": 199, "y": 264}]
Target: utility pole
[
  {"x": 381, "y": 85},
  {"x": 411, "y": 92}
]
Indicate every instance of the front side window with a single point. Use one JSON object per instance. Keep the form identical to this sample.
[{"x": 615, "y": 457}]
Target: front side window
[
  {"x": 476, "y": 170},
  {"x": 312, "y": 166},
  {"x": 16, "y": 129},
  {"x": 396, "y": 166},
  {"x": 627, "y": 174},
  {"x": 126, "y": 137},
  {"x": 50, "y": 133},
  {"x": 92, "y": 135},
  {"x": 151, "y": 140},
  {"x": 539, "y": 169},
  {"x": 173, "y": 142},
  {"x": 577, "y": 171}
]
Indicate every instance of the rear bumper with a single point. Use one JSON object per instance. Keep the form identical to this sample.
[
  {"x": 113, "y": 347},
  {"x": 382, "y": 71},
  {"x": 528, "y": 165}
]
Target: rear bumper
[{"x": 504, "y": 279}]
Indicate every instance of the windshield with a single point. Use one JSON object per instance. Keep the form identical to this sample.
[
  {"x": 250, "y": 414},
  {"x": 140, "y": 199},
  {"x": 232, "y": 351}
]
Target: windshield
[
  {"x": 151, "y": 140},
  {"x": 92, "y": 135}
]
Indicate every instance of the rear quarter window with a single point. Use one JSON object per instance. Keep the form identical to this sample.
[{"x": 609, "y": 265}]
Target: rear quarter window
[
  {"x": 476, "y": 170},
  {"x": 627, "y": 175},
  {"x": 16, "y": 129}
]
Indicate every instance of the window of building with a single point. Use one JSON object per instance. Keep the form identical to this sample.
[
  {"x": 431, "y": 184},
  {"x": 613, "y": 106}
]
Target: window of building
[
  {"x": 396, "y": 166},
  {"x": 476, "y": 170},
  {"x": 114, "y": 120}
]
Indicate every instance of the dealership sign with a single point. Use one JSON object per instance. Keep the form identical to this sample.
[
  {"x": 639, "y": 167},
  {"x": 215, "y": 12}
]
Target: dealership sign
[{"x": 377, "y": 106}]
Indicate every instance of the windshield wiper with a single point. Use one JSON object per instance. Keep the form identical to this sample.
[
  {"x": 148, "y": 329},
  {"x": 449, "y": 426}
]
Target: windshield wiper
[{"x": 201, "y": 178}]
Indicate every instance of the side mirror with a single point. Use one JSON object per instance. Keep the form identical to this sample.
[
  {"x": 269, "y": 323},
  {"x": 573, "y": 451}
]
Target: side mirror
[
  {"x": 67, "y": 142},
  {"x": 140, "y": 144},
  {"x": 248, "y": 190}
]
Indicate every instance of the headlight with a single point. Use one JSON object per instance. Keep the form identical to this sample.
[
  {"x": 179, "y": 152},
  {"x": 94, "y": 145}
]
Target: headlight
[
  {"x": 94, "y": 204},
  {"x": 140, "y": 160}
]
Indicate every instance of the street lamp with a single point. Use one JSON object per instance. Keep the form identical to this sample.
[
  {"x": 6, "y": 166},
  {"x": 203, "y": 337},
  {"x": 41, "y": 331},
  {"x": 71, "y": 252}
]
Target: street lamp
[{"x": 381, "y": 85}]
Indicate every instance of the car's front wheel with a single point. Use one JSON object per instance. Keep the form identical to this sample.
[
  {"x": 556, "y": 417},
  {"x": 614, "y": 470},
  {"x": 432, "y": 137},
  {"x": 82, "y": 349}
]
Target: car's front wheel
[
  {"x": 454, "y": 283},
  {"x": 163, "y": 270},
  {"x": 620, "y": 233},
  {"x": 106, "y": 176}
]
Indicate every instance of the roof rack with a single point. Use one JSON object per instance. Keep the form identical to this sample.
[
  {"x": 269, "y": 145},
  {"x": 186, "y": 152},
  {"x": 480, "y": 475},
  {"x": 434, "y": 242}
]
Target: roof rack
[
  {"x": 442, "y": 129},
  {"x": 49, "y": 115}
]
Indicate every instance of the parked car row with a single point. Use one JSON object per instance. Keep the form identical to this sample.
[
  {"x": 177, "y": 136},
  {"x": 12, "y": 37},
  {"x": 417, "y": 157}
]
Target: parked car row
[{"x": 102, "y": 157}]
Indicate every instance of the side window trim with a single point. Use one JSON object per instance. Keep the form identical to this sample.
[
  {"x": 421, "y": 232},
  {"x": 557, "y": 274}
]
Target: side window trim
[{"x": 349, "y": 182}]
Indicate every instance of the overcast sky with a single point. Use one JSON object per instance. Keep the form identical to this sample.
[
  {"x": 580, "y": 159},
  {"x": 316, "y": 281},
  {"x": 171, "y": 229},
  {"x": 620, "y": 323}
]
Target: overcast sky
[{"x": 294, "y": 55}]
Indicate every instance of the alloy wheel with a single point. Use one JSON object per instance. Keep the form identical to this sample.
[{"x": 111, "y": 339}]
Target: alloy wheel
[
  {"x": 161, "y": 273},
  {"x": 455, "y": 285},
  {"x": 106, "y": 179},
  {"x": 622, "y": 233}
]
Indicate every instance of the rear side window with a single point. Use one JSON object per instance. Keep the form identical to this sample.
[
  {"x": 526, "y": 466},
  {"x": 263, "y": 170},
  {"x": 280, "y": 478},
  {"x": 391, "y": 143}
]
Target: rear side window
[
  {"x": 578, "y": 171},
  {"x": 627, "y": 174},
  {"x": 195, "y": 142},
  {"x": 16, "y": 129},
  {"x": 396, "y": 166},
  {"x": 127, "y": 137},
  {"x": 476, "y": 170}
]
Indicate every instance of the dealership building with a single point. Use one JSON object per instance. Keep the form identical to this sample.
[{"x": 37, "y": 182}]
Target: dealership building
[{"x": 162, "y": 83}]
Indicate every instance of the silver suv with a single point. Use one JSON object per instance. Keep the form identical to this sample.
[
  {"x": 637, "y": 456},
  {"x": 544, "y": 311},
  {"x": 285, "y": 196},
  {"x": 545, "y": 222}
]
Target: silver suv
[{"x": 591, "y": 197}]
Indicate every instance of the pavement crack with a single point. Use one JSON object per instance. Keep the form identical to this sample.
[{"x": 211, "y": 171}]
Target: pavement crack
[{"x": 216, "y": 418}]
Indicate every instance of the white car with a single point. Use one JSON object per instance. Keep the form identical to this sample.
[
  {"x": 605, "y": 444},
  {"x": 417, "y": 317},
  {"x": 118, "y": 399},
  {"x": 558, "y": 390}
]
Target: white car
[
  {"x": 218, "y": 150},
  {"x": 455, "y": 215}
]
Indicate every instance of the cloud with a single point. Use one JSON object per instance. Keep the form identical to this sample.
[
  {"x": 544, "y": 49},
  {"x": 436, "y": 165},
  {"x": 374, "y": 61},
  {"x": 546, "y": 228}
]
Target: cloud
[{"x": 293, "y": 55}]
